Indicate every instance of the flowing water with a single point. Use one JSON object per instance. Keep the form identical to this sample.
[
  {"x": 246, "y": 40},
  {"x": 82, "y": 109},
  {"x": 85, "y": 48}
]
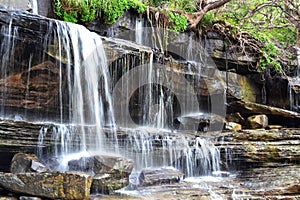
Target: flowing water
[
  {"x": 34, "y": 6},
  {"x": 294, "y": 84},
  {"x": 83, "y": 103}
]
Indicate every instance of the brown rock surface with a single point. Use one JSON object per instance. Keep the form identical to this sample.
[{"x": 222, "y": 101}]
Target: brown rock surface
[
  {"x": 53, "y": 185},
  {"x": 22, "y": 163}
]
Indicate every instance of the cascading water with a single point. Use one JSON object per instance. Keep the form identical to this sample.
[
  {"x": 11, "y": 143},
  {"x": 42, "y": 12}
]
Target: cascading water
[
  {"x": 86, "y": 64},
  {"x": 34, "y": 6},
  {"x": 78, "y": 58},
  {"x": 74, "y": 59},
  {"x": 195, "y": 156},
  {"x": 138, "y": 30}
]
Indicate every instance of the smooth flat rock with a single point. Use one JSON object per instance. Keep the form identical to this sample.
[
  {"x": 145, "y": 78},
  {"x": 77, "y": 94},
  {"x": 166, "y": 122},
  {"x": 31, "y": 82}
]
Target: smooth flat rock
[{"x": 160, "y": 176}]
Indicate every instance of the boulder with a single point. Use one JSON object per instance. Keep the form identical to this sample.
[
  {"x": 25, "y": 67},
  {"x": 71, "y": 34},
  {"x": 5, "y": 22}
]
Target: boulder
[
  {"x": 257, "y": 121},
  {"x": 52, "y": 185},
  {"x": 107, "y": 184},
  {"x": 275, "y": 115},
  {"x": 110, "y": 172},
  {"x": 103, "y": 164},
  {"x": 235, "y": 117},
  {"x": 232, "y": 126},
  {"x": 201, "y": 122},
  {"x": 22, "y": 163},
  {"x": 158, "y": 176}
]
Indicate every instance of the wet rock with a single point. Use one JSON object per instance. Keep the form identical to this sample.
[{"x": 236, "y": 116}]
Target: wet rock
[
  {"x": 19, "y": 4},
  {"x": 110, "y": 172},
  {"x": 260, "y": 147},
  {"x": 257, "y": 121},
  {"x": 275, "y": 115},
  {"x": 22, "y": 163},
  {"x": 107, "y": 184},
  {"x": 294, "y": 93},
  {"x": 44, "y": 82},
  {"x": 118, "y": 166},
  {"x": 160, "y": 176},
  {"x": 52, "y": 185},
  {"x": 201, "y": 122},
  {"x": 29, "y": 198},
  {"x": 232, "y": 126},
  {"x": 20, "y": 136},
  {"x": 240, "y": 87},
  {"x": 264, "y": 181},
  {"x": 102, "y": 164}
]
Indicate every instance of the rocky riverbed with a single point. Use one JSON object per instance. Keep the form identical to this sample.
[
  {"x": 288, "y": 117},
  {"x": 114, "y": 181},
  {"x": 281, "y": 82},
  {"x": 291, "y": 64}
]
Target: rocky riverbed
[{"x": 255, "y": 164}]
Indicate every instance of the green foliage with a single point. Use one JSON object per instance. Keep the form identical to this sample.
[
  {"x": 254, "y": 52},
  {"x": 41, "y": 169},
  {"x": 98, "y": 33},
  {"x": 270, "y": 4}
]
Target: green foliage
[
  {"x": 137, "y": 5},
  {"x": 113, "y": 9},
  {"x": 178, "y": 22},
  {"x": 269, "y": 57},
  {"x": 208, "y": 18},
  {"x": 87, "y": 10},
  {"x": 76, "y": 10},
  {"x": 183, "y": 5},
  {"x": 262, "y": 26}
]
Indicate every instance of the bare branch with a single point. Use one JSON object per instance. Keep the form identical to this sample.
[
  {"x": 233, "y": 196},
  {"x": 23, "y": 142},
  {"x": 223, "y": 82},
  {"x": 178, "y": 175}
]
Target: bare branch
[{"x": 195, "y": 18}]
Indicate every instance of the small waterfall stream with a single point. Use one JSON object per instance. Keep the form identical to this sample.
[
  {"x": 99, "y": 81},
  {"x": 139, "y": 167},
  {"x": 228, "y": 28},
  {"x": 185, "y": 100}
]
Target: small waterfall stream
[
  {"x": 34, "y": 6},
  {"x": 293, "y": 84}
]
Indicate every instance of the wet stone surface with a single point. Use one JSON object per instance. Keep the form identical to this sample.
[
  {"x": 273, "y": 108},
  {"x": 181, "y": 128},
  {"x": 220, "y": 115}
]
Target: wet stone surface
[{"x": 263, "y": 183}]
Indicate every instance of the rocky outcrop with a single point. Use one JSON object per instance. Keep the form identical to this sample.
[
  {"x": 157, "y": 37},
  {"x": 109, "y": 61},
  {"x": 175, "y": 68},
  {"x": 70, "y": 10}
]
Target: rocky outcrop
[
  {"x": 22, "y": 163},
  {"x": 33, "y": 88},
  {"x": 261, "y": 147},
  {"x": 109, "y": 172},
  {"x": 52, "y": 185},
  {"x": 20, "y": 136},
  {"x": 275, "y": 115},
  {"x": 257, "y": 121}
]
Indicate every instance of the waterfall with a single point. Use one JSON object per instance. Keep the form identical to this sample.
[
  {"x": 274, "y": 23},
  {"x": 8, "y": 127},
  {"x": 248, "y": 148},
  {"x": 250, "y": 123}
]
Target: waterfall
[
  {"x": 138, "y": 30},
  {"x": 73, "y": 58},
  {"x": 65, "y": 79},
  {"x": 195, "y": 156},
  {"x": 34, "y": 6},
  {"x": 89, "y": 110}
]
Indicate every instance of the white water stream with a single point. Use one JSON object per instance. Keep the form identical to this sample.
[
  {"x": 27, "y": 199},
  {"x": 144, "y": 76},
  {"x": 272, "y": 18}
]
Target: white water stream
[{"x": 84, "y": 85}]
